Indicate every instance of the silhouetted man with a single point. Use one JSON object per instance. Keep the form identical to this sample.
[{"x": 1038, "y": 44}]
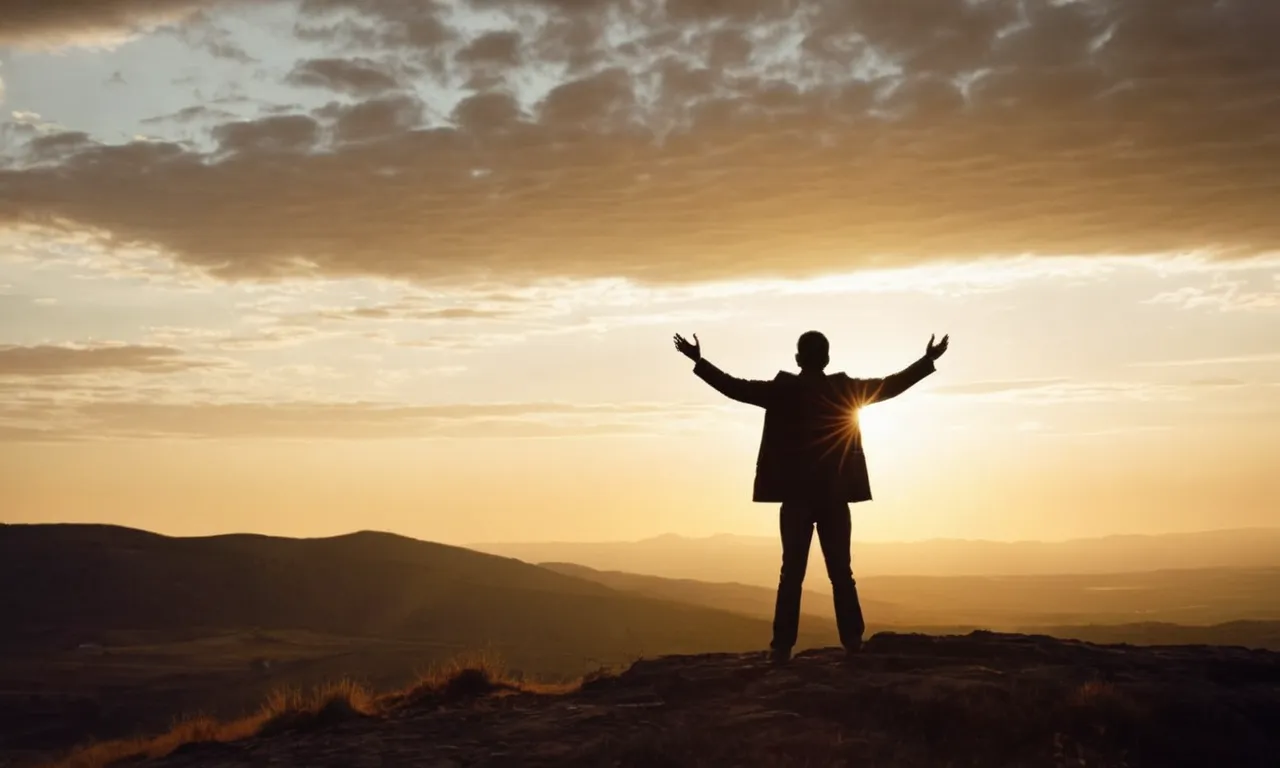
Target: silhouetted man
[{"x": 811, "y": 461}]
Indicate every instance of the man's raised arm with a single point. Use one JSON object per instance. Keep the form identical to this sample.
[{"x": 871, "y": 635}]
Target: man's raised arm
[
  {"x": 749, "y": 391},
  {"x": 868, "y": 391}
]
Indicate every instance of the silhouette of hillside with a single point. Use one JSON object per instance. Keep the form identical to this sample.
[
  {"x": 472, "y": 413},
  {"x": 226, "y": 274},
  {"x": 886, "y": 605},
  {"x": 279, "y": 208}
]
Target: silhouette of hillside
[
  {"x": 1247, "y": 634},
  {"x": 910, "y": 700},
  {"x": 61, "y": 585},
  {"x": 108, "y": 631},
  {"x": 112, "y": 632}
]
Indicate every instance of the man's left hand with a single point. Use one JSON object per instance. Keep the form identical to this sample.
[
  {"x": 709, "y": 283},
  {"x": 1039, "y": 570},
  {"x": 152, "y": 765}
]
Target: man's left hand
[{"x": 692, "y": 351}]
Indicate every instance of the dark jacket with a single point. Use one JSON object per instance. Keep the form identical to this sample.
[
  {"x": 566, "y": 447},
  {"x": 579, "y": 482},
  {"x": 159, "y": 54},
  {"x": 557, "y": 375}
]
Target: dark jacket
[{"x": 811, "y": 448}]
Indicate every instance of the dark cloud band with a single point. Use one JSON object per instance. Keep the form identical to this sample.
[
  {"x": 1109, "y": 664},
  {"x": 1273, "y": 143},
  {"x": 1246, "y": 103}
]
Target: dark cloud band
[
  {"x": 727, "y": 139},
  {"x": 52, "y": 22}
]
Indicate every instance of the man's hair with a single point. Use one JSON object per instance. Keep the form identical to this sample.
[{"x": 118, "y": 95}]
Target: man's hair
[{"x": 813, "y": 349}]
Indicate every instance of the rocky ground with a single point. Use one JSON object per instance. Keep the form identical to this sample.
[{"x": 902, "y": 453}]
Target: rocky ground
[{"x": 910, "y": 700}]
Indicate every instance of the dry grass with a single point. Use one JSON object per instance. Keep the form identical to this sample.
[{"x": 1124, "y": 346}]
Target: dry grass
[
  {"x": 469, "y": 676},
  {"x": 466, "y": 677},
  {"x": 290, "y": 710},
  {"x": 195, "y": 730},
  {"x": 1097, "y": 693}
]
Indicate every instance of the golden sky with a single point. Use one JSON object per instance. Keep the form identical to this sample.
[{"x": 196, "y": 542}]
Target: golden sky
[{"x": 310, "y": 266}]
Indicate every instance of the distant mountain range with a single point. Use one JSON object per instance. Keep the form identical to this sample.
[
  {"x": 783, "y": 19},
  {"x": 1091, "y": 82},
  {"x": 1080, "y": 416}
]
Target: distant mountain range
[
  {"x": 747, "y": 599},
  {"x": 754, "y": 560},
  {"x": 1196, "y": 598}
]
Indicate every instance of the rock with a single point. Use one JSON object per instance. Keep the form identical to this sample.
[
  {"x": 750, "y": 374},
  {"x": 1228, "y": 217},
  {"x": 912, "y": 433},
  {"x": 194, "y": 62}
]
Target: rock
[{"x": 912, "y": 700}]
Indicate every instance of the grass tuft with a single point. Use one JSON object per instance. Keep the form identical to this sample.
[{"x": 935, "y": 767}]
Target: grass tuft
[
  {"x": 289, "y": 710},
  {"x": 469, "y": 676},
  {"x": 466, "y": 677},
  {"x": 196, "y": 730},
  {"x": 284, "y": 710}
]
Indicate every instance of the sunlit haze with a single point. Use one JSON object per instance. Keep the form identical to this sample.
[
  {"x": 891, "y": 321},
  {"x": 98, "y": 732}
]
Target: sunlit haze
[{"x": 305, "y": 268}]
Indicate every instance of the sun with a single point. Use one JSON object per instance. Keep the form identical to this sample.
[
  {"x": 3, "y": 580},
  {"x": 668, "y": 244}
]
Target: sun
[{"x": 872, "y": 423}]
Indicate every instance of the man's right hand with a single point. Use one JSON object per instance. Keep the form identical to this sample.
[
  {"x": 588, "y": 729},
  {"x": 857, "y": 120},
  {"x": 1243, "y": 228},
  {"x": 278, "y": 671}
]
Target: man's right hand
[
  {"x": 692, "y": 351},
  {"x": 935, "y": 351}
]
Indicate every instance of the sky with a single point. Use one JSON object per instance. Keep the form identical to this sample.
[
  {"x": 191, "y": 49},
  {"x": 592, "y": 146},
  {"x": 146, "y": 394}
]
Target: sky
[{"x": 304, "y": 267}]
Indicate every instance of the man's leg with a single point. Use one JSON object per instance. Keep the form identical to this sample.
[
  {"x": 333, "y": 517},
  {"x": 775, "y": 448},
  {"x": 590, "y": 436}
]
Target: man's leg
[
  {"x": 834, "y": 532},
  {"x": 795, "y": 523}
]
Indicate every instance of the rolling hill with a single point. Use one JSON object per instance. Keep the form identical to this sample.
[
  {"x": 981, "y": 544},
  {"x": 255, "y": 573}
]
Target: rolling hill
[
  {"x": 747, "y": 599},
  {"x": 1070, "y": 602},
  {"x": 109, "y": 631},
  {"x": 64, "y": 585}
]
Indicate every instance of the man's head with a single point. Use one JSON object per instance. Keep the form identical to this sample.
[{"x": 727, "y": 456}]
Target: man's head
[{"x": 813, "y": 352}]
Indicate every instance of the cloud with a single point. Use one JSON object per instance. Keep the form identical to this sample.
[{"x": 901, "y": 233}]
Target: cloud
[
  {"x": 53, "y": 360},
  {"x": 286, "y": 134},
  {"x": 1065, "y": 391},
  {"x": 500, "y": 48},
  {"x": 701, "y": 140},
  {"x": 275, "y": 336},
  {"x": 1062, "y": 391},
  {"x": 1221, "y": 381},
  {"x": 55, "y": 23},
  {"x": 1223, "y": 296},
  {"x": 409, "y": 311},
  {"x": 17, "y": 434},
  {"x": 1247, "y": 359},
  {"x": 54, "y": 145},
  {"x": 336, "y": 420},
  {"x": 490, "y": 59},
  {"x": 1113, "y": 432},
  {"x": 376, "y": 122},
  {"x": 469, "y": 320},
  {"x": 192, "y": 114},
  {"x": 201, "y": 32},
  {"x": 419, "y": 26},
  {"x": 996, "y": 387},
  {"x": 360, "y": 77}
]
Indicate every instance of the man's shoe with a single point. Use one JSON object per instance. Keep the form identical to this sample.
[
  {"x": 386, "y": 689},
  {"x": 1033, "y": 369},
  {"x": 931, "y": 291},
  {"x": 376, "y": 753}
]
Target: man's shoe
[
  {"x": 853, "y": 651},
  {"x": 779, "y": 656}
]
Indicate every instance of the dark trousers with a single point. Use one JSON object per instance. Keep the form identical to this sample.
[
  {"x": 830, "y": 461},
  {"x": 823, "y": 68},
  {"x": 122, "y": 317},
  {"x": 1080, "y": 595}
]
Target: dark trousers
[{"x": 797, "y": 522}]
